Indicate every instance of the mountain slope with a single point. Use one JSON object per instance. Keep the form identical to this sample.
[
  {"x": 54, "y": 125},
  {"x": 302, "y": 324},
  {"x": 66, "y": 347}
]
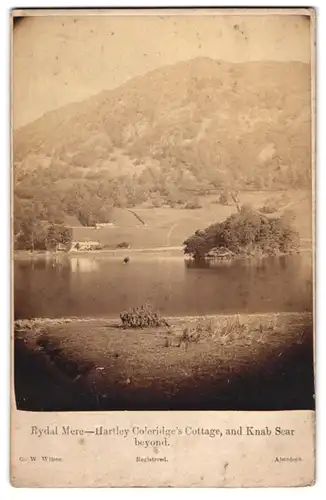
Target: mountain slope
[
  {"x": 214, "y": 119},
  {"x": 165, "y": 137}
]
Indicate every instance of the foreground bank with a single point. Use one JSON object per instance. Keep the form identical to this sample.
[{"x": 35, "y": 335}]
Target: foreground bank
[{"x": 239, "y": 362}]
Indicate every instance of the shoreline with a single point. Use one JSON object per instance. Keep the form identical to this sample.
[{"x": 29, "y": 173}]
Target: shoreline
[
  {"x": 168, "y": 252},
  {"x": 114, "y": 253},
  {"x": 113, "y": 321},
  {"x": 226, "y": 362}
]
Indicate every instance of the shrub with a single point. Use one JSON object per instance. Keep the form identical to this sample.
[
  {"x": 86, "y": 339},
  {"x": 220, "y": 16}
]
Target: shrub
[
  {"x": 123, "y": 244},
  {"x": 193, "y": 204},
  {"x": 223, "y": 331},
  {"x": 188, "y": 336},
  {"x": 174, "y": 198},
  {"x": 268, "y": 209},
  {"x": 223, "y": 199},
  {"x": 142, "y": 317},
  {"x": 232, "y": 326}
]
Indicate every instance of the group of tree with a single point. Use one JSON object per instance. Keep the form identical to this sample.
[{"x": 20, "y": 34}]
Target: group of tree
[
  {"x": 246, "y": 232},
  {"x": 50, "y": 192},
  {"x": 92, "y": 200},
  {"x": 35, "y": 234}
]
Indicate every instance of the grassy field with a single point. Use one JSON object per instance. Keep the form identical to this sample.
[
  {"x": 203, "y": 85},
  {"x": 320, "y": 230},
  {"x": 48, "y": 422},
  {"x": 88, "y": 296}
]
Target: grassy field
[
  {"x": 174, "y": 225},
  {"x": 252, "y": 362}
]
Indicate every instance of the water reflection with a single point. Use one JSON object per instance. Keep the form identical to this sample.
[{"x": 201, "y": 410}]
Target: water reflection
[
  {"x": 100, "y": 286},
  {"x": 83, "y": 264},
  {"x": 207, "y": 264}
]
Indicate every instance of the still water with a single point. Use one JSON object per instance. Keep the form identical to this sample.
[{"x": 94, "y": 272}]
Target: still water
[{"x": 100, "y": 286}]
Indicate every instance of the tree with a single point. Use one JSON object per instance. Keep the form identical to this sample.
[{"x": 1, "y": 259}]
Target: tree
[
  {"x": 86, "y": 217},
  {"x": 105, "y": 214},
  {"x": 56, "y": 234},
  {"x": 235, "y": 197},
  {"x": 64, "y": 235},
  {"x": 32, "y": 235},
  {"x": 243, "y": 233},
  {"x": 29, "y": 229},
  {"x": 224, "y": 198},
  {"x": 51, "y": 239}
]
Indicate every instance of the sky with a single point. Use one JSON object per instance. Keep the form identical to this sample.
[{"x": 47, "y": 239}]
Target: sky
[{"x": 62, "y": 59}]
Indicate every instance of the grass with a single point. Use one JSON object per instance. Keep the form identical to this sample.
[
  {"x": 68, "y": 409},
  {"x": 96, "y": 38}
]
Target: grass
[{"x": 219, "y": 362}]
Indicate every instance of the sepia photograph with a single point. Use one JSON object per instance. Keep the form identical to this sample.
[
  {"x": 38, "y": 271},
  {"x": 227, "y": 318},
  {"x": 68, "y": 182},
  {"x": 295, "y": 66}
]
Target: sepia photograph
[{"x": 163, "y": 210}]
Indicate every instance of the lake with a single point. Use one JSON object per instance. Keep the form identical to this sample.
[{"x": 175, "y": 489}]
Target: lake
[{"x": 102, "y": 286}]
